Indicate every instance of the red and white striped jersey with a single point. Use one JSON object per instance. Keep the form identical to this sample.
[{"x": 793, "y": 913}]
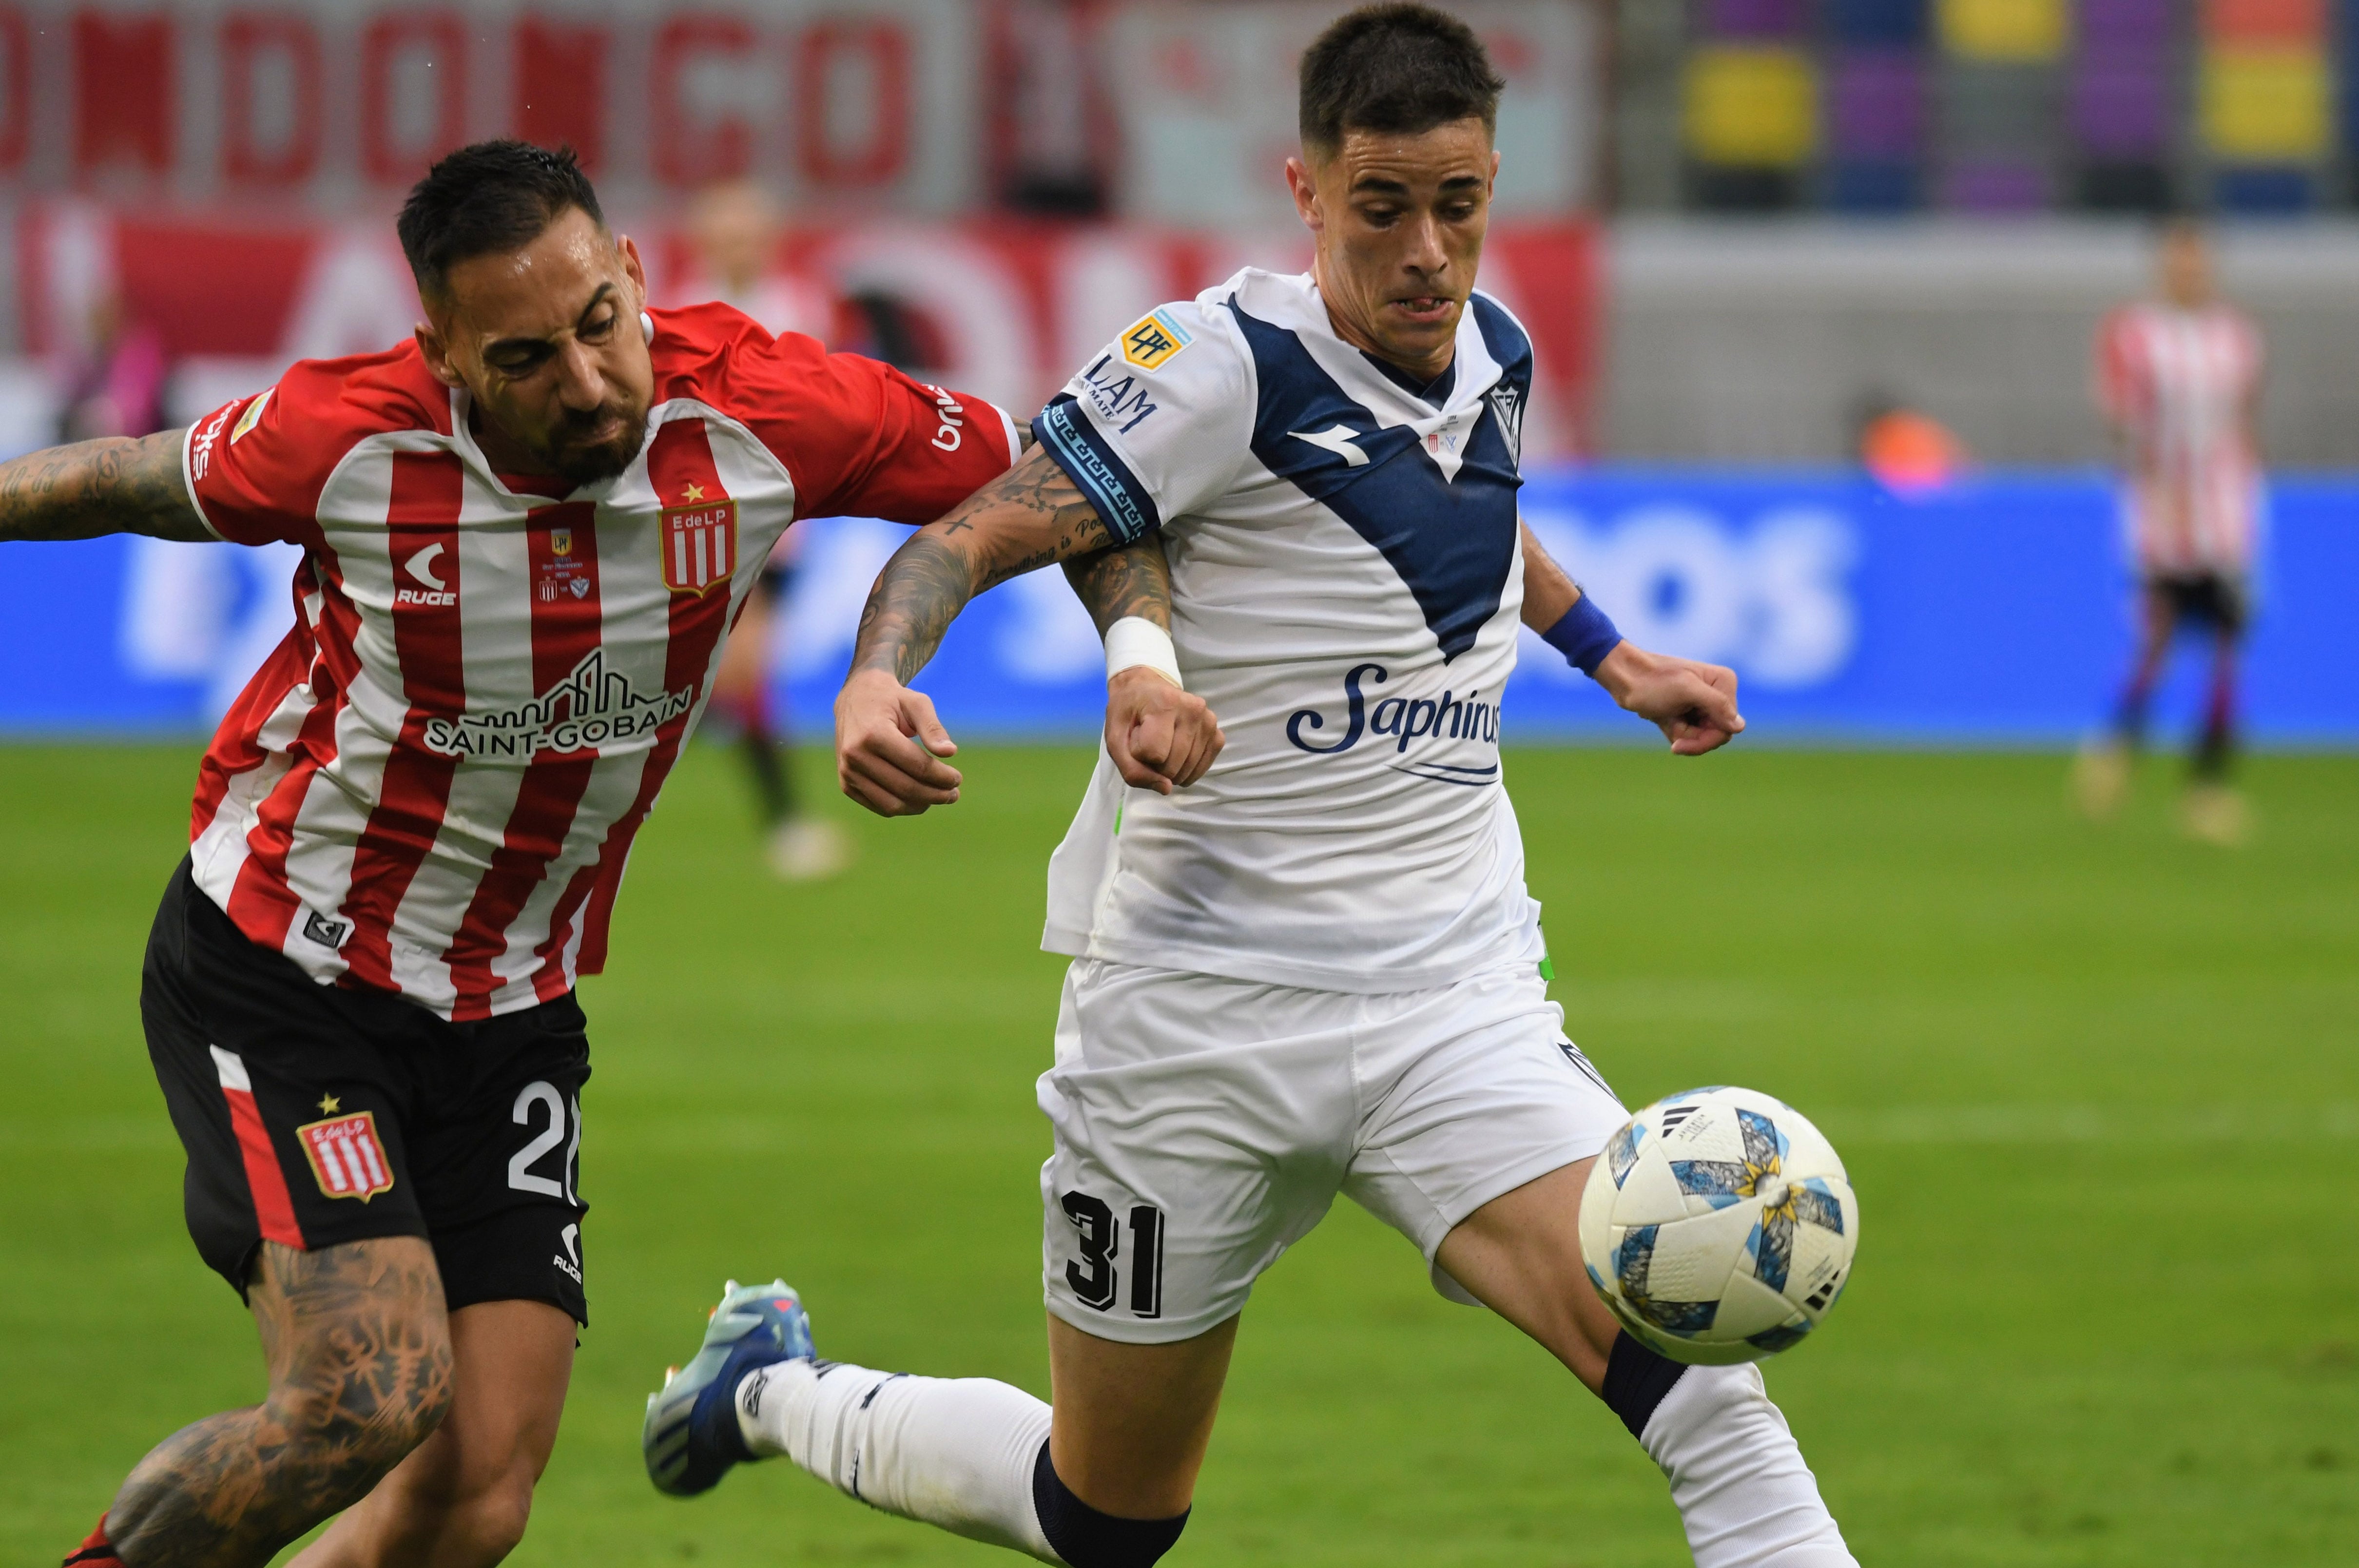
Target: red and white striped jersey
[
  {"x": 2181, "y": 384},
  {"x": 432, "y": 786}
]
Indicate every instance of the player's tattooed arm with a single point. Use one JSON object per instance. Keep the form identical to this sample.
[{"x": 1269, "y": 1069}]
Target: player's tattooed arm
[
  {"x": 1134, "y": 579},
  {"x": 358, "y": 1347},
  {"x": 889, "y": 743},
  {"x": 117, "y": 484},
  {"x": 1029, "y": 517},
  {"x": 1159, "y": 736}
]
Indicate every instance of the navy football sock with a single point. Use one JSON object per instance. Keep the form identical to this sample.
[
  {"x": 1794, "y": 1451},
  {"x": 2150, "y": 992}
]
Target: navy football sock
[{"x": 1085, "y": 1538}]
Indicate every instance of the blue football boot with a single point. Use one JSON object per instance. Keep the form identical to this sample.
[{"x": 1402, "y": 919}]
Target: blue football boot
[{"x": 691, "y": 1437}]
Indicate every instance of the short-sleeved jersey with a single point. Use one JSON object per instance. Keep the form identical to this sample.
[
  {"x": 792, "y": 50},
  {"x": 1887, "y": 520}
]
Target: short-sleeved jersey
[
  {"x": 432, "y": 786},
  {"x": 2181, "y": 386},
  {"x": 1347, "y": 585}
]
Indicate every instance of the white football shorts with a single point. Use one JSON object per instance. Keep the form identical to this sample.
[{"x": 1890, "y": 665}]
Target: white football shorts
[{"x": 1204, "y": 1125}]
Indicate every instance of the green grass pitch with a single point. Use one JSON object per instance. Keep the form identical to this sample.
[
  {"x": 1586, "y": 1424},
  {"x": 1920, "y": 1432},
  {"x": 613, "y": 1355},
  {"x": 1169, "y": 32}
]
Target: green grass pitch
[{"x": 2099, "y": 1092}]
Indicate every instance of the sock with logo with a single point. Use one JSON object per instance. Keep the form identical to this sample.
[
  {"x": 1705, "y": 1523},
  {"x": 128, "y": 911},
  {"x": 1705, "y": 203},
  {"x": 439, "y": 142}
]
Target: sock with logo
[
  {"x": 1743, "y": 1494},
  {"x": 955, "y": 1453},
  {"x": 96, "y": 1551}
]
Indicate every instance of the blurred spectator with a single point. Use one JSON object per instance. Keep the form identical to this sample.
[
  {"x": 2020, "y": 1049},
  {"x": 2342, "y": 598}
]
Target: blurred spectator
[
  {"x": 1907, "y": 451},
  {"x": 736, "y": 229},
  {"x": 115, "y": 386},
  {"x": 2178, "y": 378}
]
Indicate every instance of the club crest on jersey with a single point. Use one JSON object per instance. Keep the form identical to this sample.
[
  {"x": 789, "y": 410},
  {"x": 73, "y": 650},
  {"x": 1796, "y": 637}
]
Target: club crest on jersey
[
  {"x": 1154, "y": 341},
  {"x": 347, "y": 1158},
  {"x": 700, "y": 541}
]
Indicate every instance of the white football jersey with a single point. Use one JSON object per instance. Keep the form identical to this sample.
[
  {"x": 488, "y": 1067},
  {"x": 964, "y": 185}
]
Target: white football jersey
[{"x": 1347, "y": 583}]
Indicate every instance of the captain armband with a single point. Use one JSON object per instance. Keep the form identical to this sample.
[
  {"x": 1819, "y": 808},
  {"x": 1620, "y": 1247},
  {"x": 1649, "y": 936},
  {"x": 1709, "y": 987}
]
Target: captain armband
[{"x": 1135, "y": 640}]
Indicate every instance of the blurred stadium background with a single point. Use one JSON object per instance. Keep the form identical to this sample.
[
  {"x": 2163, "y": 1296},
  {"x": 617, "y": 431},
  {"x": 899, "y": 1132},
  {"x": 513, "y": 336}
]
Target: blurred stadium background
[
  {"x": 1736, "y": 227},
  {"x": 2098, "y": 1089}
]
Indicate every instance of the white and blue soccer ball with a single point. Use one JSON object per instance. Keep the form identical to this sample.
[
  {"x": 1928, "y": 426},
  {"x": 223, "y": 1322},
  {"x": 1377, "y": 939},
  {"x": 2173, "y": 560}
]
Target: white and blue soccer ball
[{"x": 1719, "y": 1226}]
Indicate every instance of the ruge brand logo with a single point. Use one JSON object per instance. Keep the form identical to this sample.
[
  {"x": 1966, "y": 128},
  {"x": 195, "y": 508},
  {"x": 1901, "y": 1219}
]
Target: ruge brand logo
[{"x": 1449, "y": 717}]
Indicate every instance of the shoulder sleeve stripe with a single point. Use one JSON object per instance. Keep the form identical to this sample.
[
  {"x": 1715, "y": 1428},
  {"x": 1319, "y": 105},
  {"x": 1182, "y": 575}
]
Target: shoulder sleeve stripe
[
  {"x": 189, "y": 482},
  {"x": 1123, "y": 503},
  {"x": 1007, "y": 433},
  {"x": 1503, "y": 335}
]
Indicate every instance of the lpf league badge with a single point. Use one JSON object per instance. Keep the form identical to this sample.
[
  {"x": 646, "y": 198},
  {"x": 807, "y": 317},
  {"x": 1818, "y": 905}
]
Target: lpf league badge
[
  {"x": 700, "y": 541},
  {"x": 347, "y": 1159}
]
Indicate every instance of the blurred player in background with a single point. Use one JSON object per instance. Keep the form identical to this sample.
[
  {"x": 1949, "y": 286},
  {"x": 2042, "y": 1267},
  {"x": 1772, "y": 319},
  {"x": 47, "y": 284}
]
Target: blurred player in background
[
  {"x": 1317, "y": 972},
  {"x": 525, "y": 534},
  {"x": 114, "y": 385},
  {"x": 736, "y": 228},
  {"x": 2178, "y": 378}
]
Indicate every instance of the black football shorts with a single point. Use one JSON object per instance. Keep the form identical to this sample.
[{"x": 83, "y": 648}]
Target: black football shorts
[
  {"x": 2204, "y": 599},
  {"x": 314, "y": 1114}
]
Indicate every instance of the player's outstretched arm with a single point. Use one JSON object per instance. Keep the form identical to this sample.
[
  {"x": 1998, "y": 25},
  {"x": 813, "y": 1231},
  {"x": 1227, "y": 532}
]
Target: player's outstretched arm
[
  {"x": 1160, "y": 736},
  {"x": 119, "y": 484},
  {"x": 890, "y": 746},
  {"x": 1694, "y": 703}
]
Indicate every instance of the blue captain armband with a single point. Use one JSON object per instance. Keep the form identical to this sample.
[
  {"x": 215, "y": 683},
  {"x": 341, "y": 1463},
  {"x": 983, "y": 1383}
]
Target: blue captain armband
[{"x": 1585, "y": 634}]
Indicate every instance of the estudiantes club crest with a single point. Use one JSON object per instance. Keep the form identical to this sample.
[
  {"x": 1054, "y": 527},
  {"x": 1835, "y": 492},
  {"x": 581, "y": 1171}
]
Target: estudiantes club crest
[
  {"x": 700, "y": 541},
  {"x": 347, "y": 1159}
]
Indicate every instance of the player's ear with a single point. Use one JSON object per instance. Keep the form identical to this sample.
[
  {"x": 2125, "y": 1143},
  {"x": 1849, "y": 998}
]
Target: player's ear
[
  {"x": 436, "y": 352},
  {"x": 633, "y": 269},
  {"x": 1305, "y": 188}
]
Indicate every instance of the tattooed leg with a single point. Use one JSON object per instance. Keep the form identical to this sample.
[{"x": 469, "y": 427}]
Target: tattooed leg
[
  {"x": 359, "y": 1354},
  {"x": 462, "y": 1496}
]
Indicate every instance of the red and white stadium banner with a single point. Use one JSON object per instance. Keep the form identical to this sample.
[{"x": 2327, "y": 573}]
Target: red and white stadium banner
[
  {"x": 327, "y": 104},
  {"x": 1183, "y": 111},
  {"x": 1004, "y": 308}
]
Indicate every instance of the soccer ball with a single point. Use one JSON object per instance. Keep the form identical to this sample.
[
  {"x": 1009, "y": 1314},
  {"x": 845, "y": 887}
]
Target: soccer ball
[{"x": 1719, "y": 1226}]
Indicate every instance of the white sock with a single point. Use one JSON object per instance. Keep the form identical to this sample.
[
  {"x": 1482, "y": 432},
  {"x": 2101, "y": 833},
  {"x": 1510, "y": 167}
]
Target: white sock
[
  {"x": 956, "y": 1453},
  {"x": 1747, "y": 1499}
]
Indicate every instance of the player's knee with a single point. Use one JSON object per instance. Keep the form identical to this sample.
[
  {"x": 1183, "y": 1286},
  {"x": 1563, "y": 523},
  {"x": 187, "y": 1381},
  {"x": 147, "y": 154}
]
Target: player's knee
[
  {"x": 1085, "y": 1538},
  {"x": 492, "y": 1522}
]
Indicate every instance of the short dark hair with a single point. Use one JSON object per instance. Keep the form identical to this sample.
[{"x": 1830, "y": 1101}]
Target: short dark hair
[
  {"x": 491, "y": 196},
  {"x": 1399, "y": 68}
]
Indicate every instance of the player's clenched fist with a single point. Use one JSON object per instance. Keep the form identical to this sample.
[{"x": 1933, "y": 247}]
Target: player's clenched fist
[
  {"x": 1694, "y": 703},
  {"x": 890, "y": 746},
  {"x": 1159, "y": 736}
]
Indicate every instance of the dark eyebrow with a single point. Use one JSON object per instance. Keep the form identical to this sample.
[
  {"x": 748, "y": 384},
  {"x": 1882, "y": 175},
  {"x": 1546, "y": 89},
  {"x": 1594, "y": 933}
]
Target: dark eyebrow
[
  {"x": 1380, "y": 185},
  {"x": 528, "y": 346}
]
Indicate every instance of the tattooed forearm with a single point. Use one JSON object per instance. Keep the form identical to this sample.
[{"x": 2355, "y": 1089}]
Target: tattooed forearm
[
  {"x": 1132, "y": 581},
  {"x": 359, "y": 1355},
  {"x": 918, "y": 593},
  {"x": 1029, "y": 517},
  {"x": 119, "y": 484}
]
